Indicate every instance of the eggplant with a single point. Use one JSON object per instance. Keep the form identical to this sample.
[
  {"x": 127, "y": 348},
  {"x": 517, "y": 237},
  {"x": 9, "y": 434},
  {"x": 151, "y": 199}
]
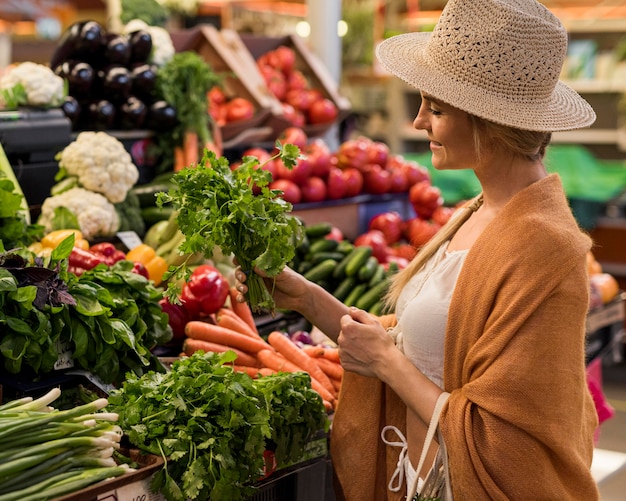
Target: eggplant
[
  {"x": 116, "y": 83},
  {"x": 140, "y": 46},
  {"x": 71, "y": 109},
  {"x": 131, "y": 114},
  {"x": 162, "y": 116},
  {"x": 101, "y": 115},
  {"x": 144, "y": 78},
  {"x": 116, "y": 49},
  {"x": 81, "y": 40}
]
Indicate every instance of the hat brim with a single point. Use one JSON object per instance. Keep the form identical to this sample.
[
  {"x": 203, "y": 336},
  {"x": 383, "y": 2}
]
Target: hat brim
[{"x": 403, "y": 56}]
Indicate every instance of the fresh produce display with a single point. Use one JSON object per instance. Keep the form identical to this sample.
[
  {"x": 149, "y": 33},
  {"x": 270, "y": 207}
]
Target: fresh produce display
[
  {"x": 604, "y": 287},
  {"x": 107, "y": 320},
  {"x": 235, "y": 210},
  {"x": 31, "y": 84},
  {"x": 48, "y": 453},
  {"x": 111, "y": 77},
  {"x": 227, "y": 109},
  {"x": 212, "y": 424},
  {"x": 156, "y": 266}
]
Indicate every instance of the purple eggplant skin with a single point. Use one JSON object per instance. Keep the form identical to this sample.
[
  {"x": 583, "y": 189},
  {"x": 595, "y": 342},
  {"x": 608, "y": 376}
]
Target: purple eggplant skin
[
  {"x": 131, "y": 114},
  {"x": 81, "y": 40},
  {"x": 79, "y": 75},
  {"x": 71, "y": 109},
  {"x": 162, "y": 117},
  {"x": 116, "y": 83},
  {"x": 116, "y": 49},
  {"x": 140, "y": 46},
  {"x": 144, "y": 77},
  {"x": 101, "y": 115}
]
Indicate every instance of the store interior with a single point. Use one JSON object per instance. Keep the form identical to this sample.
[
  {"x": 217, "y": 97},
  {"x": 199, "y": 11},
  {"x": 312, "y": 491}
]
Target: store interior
[{"x": 368, "y": 103}]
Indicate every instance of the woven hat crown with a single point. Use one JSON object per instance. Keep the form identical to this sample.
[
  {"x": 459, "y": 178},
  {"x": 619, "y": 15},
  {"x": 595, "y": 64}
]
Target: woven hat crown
[{"x": 497, "y": 59}]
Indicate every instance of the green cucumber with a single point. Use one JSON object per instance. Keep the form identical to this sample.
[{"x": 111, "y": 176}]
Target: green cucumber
[
  {"x": 340, "y": 271},
  {"x": 368, "y": 269},
  {"x": 318, "y": 230},
  {"x": 360, "y": 255},
  {"x": 152, "y": 215},
  {"x": 378, "y": 275},
  {"x": 323, "y": 256},
  {"x": 323, "y": 245},
  {"x": 378, "y": 309},
  {"x": 345, "y": 247},
  {"x": 321, "y": 271},
  {"x": 344, "y": 288},
  {"x": 355, "y": 295},
  {"x": 304, "y": 267},
  {"x": 372, "y": 296}
]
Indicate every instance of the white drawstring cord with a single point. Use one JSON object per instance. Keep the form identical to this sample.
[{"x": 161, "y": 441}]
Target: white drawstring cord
[{"x": 398, "y": 473}]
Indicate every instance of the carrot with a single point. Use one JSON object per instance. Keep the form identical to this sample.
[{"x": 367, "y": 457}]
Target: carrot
[
  {"x": 331, "y": 354},
  {"x": 327, "y": 405},
  {"x": 228, "y": 318},
  {"x": 275, "y": 361},
  {"x": 253, "y": 372},
  {"x": 211, "y": 333},
  {"x": 242, "y": 309},
  {"x": 190, "y": 147},
  {"x": 331, "y": 396},
  {"x": 179, "y": 159},
  {"x": 294, "y": 354},
  {"x": 190, "y": 346},
  {"x": 313, "y": 350},
  {"x": 336, "y": 384},
  {"x": 332, "y": 369}
]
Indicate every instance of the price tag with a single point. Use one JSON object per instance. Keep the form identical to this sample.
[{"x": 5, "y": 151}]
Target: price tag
[
  {"x": 64, "y": 361},
  {"x": 136, "y": 491},
  {"x": 130, "y": 239},
  {"x": 105, "y": 387}
]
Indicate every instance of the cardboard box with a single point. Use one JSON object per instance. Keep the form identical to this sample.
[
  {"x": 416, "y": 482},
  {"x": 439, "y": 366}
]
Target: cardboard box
[{"x": 250, "y": 47}]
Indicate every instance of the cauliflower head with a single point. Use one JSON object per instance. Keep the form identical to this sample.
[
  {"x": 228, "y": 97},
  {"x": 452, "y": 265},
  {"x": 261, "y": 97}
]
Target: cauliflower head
[
  {"x": 162, "y": 46},
  {"x": 96, "y": 216},
  {"x": 101, "y": 164},
  {"x": 31, "y": 84}
]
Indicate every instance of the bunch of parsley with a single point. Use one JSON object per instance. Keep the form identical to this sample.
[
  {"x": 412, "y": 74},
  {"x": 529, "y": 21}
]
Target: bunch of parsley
[{"x": 234, "y": 210}]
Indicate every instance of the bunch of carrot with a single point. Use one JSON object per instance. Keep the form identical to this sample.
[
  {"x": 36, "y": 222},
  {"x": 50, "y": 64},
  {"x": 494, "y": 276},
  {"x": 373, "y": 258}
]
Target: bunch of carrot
[{"x": 234, "y": 330}]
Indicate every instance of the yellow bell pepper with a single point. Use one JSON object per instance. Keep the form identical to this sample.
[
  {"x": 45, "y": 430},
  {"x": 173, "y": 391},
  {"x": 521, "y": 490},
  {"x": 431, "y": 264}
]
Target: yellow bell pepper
[
  {"x": 54, "y": 238},
  {"x": 146, "y": 255}
]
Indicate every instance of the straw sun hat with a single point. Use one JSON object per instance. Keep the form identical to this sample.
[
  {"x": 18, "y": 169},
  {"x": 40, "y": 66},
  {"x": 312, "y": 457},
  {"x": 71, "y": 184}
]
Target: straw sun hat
[{"x": 497, "y": 59}]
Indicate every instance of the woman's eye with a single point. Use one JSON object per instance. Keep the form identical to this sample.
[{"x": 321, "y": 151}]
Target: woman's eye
[{"x": 434, "y": 112}]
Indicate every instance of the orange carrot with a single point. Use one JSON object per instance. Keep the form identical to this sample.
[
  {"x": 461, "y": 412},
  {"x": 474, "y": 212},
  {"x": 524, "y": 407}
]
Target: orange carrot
[
  {"x": 332, "y": 369},
  {"x": 331, "y": 396},
  {"x": 190, "y": 147},
  {"x": 331, "y": 354},
  {"x": 179, "y": 159},
  {"x": 275, "y": 361},
  {"x": 336, "y": 384},
  {"x": 190, "y": 346},
  {"x": 211, "y": 333},
  {"x": 242, "y": 309},
  {"x": 228, "y": 318},
  {"x": 253, "y": 372},
  {"x": 294, "y": 354},
  {"x": 327, "y": 405},
  {"x": 313, "y": 350}
]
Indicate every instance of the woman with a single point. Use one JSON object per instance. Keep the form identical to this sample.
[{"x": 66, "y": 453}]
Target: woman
[{"x": 492, "y": 311}]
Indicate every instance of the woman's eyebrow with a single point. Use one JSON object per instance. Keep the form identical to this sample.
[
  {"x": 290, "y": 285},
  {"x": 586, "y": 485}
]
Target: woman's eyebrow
[{"x": 432, "y": 99}]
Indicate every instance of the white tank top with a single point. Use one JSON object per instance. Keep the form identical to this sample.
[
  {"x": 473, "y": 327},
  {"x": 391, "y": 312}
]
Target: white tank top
[{"x": 422, "y": 312}]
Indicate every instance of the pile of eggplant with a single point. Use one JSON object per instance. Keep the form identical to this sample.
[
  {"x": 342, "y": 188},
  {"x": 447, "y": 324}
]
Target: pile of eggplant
[{"x": 111, "y": 82}]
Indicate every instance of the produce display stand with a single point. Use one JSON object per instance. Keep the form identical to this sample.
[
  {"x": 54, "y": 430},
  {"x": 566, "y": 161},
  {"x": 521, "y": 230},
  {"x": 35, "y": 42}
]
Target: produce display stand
[{"x": 605, "y": 330}]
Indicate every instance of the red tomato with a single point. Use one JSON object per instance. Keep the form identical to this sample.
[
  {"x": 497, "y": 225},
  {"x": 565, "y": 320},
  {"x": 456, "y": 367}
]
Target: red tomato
[
  {"x": 407, "y": 251},
  {"x": 239, "y": 108},
  {"x": 425, "y": 198},
  {"x": 335, "y": 184},
  {"x": 313, "y": 189},
  {"x": 302, "y": 99},
  {"x": 318, "y": 152},
  {"x": 216, "y": 95},
  {"x": 290, "y": 191},
  {"x": 322, "y": 112},
  {"x": 294, "y": 135},
  {"x": 335, "y": 234},
  {"x": 352, "y": 153},
  {"x": 353, "y": 180},
  {"x": 390, "y": 224},
  {"x": 419, "y": 231},
  {"x": 284, "y": 58},
  {"x": 402, "y": 262},
  {"x": 442, "y": 215},
  {"x": 296, "y": 117},
  {"x": 275, "y": 81},
  {"x": 415, "y": 173},
  {"x": 256, "y": 151},
  {"x": 376, "y": 240},
  {"x": 299, "y": 173},
  {"x": 376, "y": 180},
  {"x": 297, "y": 80},
  {"x": 378, "y": 153},
  {"x": 399, "y": 182}
]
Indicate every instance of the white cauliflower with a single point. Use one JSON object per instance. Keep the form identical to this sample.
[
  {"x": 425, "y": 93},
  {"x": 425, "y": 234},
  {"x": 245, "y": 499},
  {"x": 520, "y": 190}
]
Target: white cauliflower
[
  {"x": 96, "y": 216},
  {"x": 31, "y": 84},
  {"x": 162, "y": 46},
  {"x": 101, "y": 164}
]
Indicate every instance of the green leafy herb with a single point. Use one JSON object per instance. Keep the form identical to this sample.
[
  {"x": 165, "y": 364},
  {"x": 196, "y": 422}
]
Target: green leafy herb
[{"x": 236, "y": 211}]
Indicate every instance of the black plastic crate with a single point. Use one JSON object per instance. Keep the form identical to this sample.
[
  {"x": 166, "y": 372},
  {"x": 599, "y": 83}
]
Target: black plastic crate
[{"x": 304, "y": 482}]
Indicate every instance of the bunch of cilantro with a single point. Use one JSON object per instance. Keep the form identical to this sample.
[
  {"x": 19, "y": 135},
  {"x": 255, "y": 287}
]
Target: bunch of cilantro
[
  {"x": 235, "y": 210},
  {"x": 211, "y": 424}
]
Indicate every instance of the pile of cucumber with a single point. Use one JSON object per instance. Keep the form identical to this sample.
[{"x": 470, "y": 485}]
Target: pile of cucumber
[{"x": 352, "y": 274}]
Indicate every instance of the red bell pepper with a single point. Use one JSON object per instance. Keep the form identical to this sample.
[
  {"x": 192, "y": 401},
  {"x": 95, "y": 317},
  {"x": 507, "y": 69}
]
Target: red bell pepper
[
  {"x": 108, "y": 251},
  {"x": 84, "y": 259},
  {"x": 140, "y": 269},
  {"x": 206, "y": 291}
]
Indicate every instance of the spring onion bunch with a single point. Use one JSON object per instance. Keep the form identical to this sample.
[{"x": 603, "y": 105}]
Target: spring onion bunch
[{"x": 47, "y": 453}]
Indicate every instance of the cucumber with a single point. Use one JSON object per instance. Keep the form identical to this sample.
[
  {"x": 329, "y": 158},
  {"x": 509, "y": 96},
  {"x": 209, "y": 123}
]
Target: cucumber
[
  {"x": 318, "y": 230},
  {"x": 378, "y": 309},
  {"x": 152, "y": 215},
  {"x": 323, "y": 256},
  {"x": 355, "y": 295},
  {"x": 368, "y": 269},
  {"x": 372, "y": 296},
  {"x": 378, "y": 275},
  {"x": 392, "y": 269},
  {"x": 345, "y": 247},
  {"x": 323, "y": 245},
  {"x": 321, "y": 271},
  {"x": 344, "y": 288},
  {"x": 304, "y": 245},
  {"x": 340, "y": 271},
  {"x": 360, "y": 255},
  {"x": 304, "y": 267}
]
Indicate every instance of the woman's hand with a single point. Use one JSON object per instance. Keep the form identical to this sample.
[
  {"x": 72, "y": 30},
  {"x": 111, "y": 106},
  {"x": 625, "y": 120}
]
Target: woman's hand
[{"x": 363, "y": 343}]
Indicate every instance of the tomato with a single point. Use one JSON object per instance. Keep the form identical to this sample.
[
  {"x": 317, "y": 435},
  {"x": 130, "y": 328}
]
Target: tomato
[
  {"x": 335, "y": 184},
  {"x": 376, "y": 180},
  {"x": 407, "y": 251},
  {"x": 282, "y": 58},
  {"x": 318, "y": 153},
  {"x": 415, "y": 173},
  {"x": 402, "y": 262},
  {"x": 399, "y": 182},
  {"x": 302, "y": 99},
  {"x": 256, "y": 151},
  {"x": 313, "y": 189},
  {"x": 290, "y": 191},
  {"x": 376, "y": 240},
  {"x": 377, "y": 153},
  {"x": 352, "y": 153},
  {"x": 239, "y": 108},
  {"x": 353, "y": 180},
  {"x": 442, "y": 215},
  {"x": 298, "y": 174},
  {"x": 335, "y": 234},
  {"x": 297, "y": 80},
  {"x": 390, "y": 224},
  {"x": 275, "y": 81},
  {"x": 295, "y": 117},
  {"x": 425, "y": 199},
  {"x": 294, "y": 135},
  {"x": 322, "y": 111},
  {"x": 418, "y": 231},
  {"x": 216, "y": 95}
]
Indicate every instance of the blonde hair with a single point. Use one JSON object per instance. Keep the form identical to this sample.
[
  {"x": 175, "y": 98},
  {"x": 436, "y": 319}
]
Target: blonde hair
[{"x": 530, "y": 145}]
